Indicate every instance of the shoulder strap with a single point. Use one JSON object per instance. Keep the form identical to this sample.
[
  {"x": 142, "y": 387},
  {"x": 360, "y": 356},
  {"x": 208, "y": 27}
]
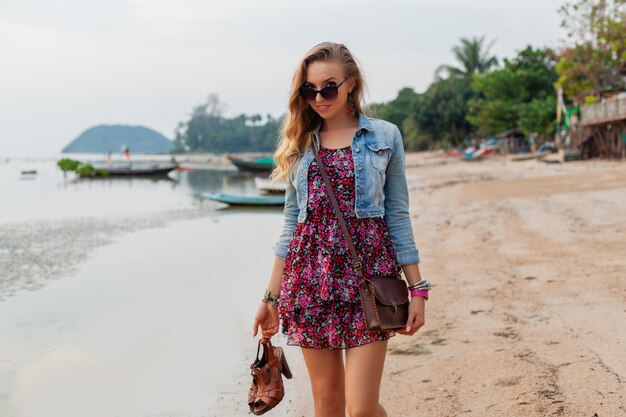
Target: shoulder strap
[{"x": 355, "y": 259}]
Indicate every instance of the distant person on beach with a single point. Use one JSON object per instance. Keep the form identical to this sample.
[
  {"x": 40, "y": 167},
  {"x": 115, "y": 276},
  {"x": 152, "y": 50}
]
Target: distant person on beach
[
  {"x": 532, "y": 142},
  {"x": 313, "y": 287}
]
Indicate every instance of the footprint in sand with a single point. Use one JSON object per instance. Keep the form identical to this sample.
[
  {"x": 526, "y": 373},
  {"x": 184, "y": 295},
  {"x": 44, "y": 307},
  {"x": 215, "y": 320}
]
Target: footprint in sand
[{"x": 508, "y": 382}]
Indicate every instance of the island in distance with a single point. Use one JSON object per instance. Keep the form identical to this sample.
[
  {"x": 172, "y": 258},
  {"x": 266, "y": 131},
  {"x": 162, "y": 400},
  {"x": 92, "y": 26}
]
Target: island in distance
[{"x": 113, "y": 138}]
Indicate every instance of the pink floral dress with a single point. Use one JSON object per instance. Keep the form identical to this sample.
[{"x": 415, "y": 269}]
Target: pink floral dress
[{"x": 319, "y": 303}]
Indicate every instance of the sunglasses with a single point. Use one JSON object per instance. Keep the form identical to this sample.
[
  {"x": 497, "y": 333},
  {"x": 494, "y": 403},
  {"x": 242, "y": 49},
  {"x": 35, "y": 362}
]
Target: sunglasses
[{"x": 329, "y": 92}]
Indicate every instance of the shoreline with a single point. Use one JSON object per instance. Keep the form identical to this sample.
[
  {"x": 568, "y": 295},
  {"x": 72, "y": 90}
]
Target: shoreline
[{"x": 526, "y": 316}]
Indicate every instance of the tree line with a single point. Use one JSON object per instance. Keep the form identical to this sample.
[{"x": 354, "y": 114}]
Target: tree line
[{"x": 478, "y": 97}]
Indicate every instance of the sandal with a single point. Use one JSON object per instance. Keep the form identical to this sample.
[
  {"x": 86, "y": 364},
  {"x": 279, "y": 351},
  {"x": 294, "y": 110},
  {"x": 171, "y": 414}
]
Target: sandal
[{"x": 267, "y": 388}]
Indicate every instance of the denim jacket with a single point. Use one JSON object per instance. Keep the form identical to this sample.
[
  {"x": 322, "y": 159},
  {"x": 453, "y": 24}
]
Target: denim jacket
[{"x": 380, "y": 182}]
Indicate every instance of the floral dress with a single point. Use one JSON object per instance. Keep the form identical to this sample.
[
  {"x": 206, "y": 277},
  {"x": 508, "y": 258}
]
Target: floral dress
[{"x": 319, "y": 303}]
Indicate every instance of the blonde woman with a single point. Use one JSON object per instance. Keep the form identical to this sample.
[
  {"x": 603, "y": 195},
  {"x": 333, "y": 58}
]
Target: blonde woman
[{"x": 313, "y": 287}]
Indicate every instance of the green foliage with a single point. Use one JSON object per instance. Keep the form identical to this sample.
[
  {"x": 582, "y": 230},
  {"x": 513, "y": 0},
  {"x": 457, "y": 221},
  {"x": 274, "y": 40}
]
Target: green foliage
[
  {"x": 442, "y": 111},
  {"x": 521, "y": 94},
  {"x": 473, "y": 56},
  {"x": 437, "y": 118},
  {"x": 398, "y": 109},
  {"x": 67, "y": 164},
  {"x": 82, "y": 169},
  {"x": 538, "y": 116},
  {"x": 401, "y": 111},
  {"x": 86, "y": 170},
  {"x": 474, "y": 99},
  {"x": 208, "y": 130},
  {"x": 597, "y": 31}
]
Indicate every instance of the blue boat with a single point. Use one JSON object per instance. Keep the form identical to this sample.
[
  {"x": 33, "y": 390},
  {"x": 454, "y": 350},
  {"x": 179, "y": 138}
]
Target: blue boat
[{"x": 245, "y": 200}]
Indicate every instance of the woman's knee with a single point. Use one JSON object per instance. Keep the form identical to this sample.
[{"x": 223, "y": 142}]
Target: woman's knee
[
  {"x": 331, "y": 402},
  {"x": 366, "y": 410}
]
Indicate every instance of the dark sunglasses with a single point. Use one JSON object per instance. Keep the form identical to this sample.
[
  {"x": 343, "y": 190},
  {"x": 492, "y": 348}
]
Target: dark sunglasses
[{"x": 329, "y": 92}]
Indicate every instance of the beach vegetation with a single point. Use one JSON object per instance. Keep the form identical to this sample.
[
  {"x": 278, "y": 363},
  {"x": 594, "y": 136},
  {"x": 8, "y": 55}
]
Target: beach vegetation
[
  {"x": 208, "y": 130},
  {"x": 520, "y": 94},
  {"x": 473, "y": 57},
  {"x": 596, "y": 51},
  {"x": 80, "y": 168},
  {"x": 477, "y": 96}
]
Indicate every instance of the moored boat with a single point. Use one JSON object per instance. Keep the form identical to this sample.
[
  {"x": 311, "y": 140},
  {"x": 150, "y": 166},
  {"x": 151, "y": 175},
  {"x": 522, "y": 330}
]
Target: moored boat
[
  {"x": 135, "y": 168},
  {"x": 265, "y": 164},
  {"x": 245, "y": 200},
  {"x": 269, "y": 186}
]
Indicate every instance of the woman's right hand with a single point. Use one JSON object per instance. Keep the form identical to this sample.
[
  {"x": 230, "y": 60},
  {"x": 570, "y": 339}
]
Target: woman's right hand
[{"x": 266, "y": 317}]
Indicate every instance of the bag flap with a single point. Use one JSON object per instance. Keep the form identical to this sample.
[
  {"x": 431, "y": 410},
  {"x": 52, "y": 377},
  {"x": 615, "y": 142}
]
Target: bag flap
[{"x": 390, "y": 291}]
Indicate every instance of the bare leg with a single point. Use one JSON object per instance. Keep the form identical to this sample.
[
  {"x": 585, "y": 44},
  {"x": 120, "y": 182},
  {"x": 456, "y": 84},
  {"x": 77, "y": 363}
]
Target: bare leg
[
  {"x": 364, "y": 371},
  {"x": 326, "y": 371}
]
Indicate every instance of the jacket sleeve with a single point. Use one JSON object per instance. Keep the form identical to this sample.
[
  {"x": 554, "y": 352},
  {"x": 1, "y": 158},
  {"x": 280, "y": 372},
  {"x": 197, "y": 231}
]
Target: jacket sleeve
[
  {"x": 290, "y": 219},
  {"x": 397, "y": 204}
]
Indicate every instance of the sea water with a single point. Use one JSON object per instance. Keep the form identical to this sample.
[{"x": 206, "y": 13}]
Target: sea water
[{"x": 153, "y": 321}]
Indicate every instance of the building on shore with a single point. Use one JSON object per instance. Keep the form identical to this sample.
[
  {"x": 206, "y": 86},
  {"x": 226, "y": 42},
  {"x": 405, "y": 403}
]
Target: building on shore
[{"x": 599, "y": 130}]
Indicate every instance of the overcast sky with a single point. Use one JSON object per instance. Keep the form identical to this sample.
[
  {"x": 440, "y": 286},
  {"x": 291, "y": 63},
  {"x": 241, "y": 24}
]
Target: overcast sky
[{"x": 67, "y": 65}]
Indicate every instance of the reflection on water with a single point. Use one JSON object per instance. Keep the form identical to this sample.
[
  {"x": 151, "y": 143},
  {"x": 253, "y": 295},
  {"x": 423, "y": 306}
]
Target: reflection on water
[
  {"x": 157, "y": 323},
  {"x": 50, "y": 194}
]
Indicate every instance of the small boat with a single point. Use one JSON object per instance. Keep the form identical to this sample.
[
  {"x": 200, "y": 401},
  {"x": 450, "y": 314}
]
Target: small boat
[
  {"x": 265, "y": 164},
  {"x": 472, "y": 154},
  {"x": 269, "y": 186},
  {"x": 482, "y": 152},
  {"x": 245, "y": 200},
  {"x": 528, "y": 155},
  {"x": 135, "y": 168}
]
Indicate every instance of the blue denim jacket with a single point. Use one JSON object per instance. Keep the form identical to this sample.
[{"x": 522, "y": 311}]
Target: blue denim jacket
[{"x": 380, "y": 182}]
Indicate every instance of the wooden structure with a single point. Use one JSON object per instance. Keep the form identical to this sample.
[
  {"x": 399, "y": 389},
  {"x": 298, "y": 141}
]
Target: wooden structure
[
  {"x": 514, "y": 141},
  {"x": 602, "y": 128}
]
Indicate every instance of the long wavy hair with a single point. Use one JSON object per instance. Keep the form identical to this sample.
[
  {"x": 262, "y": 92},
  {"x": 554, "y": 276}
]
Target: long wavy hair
[{"x": 301, "y": 119}]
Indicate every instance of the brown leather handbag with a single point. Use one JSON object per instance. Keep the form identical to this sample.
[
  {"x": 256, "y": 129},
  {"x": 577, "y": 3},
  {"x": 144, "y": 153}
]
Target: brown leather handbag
[
  {"x": 267, "y": 388},
  {"x": 385, "y": 300}
]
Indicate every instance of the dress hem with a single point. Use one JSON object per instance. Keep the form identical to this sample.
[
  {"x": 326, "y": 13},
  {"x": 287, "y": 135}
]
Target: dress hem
[{"x": 367, "y": 342}]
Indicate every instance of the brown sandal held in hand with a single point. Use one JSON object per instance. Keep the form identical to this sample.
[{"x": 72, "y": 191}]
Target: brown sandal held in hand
[{"x": 267, "y": 388}]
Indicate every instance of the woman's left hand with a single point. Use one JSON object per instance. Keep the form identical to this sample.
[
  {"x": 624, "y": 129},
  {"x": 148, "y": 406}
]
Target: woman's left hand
[{"x": 416, "y": 316}]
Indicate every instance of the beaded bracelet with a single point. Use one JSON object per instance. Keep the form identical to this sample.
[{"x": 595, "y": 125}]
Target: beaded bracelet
[
  {"x": 267, "y": 297},
  {"x": 420, "y": 293}
]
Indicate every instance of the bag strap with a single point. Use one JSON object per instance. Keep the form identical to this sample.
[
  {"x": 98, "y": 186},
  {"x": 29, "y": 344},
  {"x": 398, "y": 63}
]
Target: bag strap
[{"x": 342, "y": 223}]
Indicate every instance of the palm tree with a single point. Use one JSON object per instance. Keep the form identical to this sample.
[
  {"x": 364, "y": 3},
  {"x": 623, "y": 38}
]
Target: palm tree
[{"x": 473, "y": 56}]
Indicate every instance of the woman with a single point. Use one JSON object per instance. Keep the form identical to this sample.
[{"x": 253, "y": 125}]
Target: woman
[{"x": 313, "y": 287}]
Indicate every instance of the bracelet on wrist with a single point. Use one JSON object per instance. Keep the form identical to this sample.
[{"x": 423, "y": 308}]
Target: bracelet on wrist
[
  {"x": 420, "y": 285},
  {"x": 267, "y": 297},
  {"x": 419, "y": 293}
]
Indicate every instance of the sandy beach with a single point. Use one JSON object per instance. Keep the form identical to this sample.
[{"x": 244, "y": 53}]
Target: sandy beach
[
  {"x": 528, "y": 313},
  {"x": 526, "y": 318}
]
